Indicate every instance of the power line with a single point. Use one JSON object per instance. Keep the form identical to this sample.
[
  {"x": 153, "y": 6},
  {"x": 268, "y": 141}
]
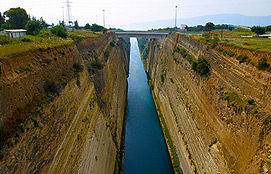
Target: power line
[{"x": 69, "y": 14}]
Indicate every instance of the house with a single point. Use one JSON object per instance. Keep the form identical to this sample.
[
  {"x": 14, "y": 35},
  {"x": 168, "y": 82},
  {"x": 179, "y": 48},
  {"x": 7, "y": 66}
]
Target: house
[{"x": 16, "y": 33}]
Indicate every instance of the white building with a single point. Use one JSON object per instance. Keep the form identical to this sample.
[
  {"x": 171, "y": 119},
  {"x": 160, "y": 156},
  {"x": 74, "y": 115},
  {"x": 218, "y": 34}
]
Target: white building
[{"x": 16, "y": 33}]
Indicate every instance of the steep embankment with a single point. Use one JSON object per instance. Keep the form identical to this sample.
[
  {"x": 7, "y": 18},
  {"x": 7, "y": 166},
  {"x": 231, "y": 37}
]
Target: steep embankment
[
  {"x": 79, "y": 128},
  {"x": 219, "y": 122}
]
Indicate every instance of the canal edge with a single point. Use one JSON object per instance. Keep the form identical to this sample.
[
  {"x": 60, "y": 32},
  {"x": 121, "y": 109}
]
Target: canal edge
[{"x": 175, "y": 162}]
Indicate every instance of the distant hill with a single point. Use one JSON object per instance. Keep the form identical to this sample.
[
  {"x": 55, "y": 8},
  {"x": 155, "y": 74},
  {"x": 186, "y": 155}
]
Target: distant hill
[{"x": 233, "y": 19}]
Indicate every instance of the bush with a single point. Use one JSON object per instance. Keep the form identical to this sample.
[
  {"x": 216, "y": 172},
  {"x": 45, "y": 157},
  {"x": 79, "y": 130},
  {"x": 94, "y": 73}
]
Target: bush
[
  {"x": 106, "y": 55},
  {"x": 97, "y": 64},
  {"x": 251, "y": 102},
  {"x": 162, "y": 78},
  {"x": 242, "y": 58},
  {"x": 229, "y": 53},
  {"x": 78, "y": 82},
  {"x": 60, "y": 31},
  {"x": 112, "y": 44},
  {"x": 194, "y": 65},
  {"x": 78, "y": 67},
  {"x": 202, "y": 66},
  {"x": 50, "y": 86},
  {"x": 33, "y": 27},
  {"x": 262, "y": 64},
  {"x": 1, "y": 154},
  {"x": 5, "y": 39}
]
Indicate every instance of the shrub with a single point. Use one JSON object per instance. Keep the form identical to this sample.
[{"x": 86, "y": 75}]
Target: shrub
[
  {"x": 162, "y": 78},
  {"x": 229, "y": 53},
  {"x": 251, "y": 102},
  {"x": 106, "y": 55},
  {"x": 60, "y": 31},
  {"x": 78, "y": 82},
  {"x": 242, "y": 58},
  {"x": 50, "y": 86},
  {"x": 202, "y": 66},
  {"x": 4, "y": 39},
  {"x": 112, "y": 44},
  {"x": 194, "y": 65},
  {"x": 97, "y": 64},
  {"x": 1, "y": 154},
  {"x": 33, "y": 27},
  {"x": 262, "y": 64},
  {"x": 78, "y": 67}
]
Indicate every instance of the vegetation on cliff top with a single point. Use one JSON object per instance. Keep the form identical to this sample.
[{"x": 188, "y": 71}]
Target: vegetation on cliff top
[{"x": 240, "y": 38}]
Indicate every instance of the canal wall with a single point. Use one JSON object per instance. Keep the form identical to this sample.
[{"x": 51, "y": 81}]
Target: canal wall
[
  {"x": 219, "y": 122},
  {"x": 78, "y": 127}
]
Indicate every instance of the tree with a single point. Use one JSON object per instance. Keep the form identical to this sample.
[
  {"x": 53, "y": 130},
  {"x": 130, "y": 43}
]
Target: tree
[
  {"x": 2, "y": 19},
  {"x": 60, "y": 31},
  {"x": 209, "y": 26},
  {"x": 97, "y": 28},
  {"x": 258, "y": 30},
  {"x": 33, "y": 27},
  {"x": 17, "y": 17},
  {"x": 76, "y": 26},
  {"x": 87, "y": 26},
  {"x": 268, "y": 28},
  {"x": 43, "y": 23}
]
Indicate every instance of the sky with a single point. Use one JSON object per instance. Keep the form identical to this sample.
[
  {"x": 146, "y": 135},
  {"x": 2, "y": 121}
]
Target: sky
[{"x": 119, "y": 13}]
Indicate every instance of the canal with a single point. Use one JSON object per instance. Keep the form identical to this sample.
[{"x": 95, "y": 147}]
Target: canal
[{"x": 145, "y": 150}]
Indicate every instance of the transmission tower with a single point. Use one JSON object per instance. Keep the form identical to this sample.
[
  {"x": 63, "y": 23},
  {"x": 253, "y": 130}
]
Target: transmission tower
[{"x": 69, "y": 13}]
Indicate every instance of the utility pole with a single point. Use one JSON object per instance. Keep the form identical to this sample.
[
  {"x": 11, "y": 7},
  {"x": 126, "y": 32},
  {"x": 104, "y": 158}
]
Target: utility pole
[
  {"x": 63, "y": 15},
  {"x": 104, "y": 17},
  {"x": 176, "y": 18}
]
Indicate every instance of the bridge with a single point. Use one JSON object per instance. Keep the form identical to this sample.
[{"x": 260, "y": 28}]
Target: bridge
[{"x": 144, "y": 34}]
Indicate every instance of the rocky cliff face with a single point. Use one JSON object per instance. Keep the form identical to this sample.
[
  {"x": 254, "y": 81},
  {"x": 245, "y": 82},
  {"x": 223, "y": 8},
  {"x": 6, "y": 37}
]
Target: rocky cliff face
[
  {"x": 219, "y": 122},
  {"x": 79, "y": 130}
]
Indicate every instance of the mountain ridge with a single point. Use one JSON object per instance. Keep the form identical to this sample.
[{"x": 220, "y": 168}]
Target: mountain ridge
[{"x": 233, "y": 19}]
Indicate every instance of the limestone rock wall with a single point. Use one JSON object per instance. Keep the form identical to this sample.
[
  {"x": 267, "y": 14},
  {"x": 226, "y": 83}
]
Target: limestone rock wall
[
  {"x": 214, "y": 128},
  {"x": 80, "y": 130}
]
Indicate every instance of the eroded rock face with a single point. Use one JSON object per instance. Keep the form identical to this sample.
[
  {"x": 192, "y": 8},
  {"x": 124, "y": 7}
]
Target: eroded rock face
[
  {"x": 213, "y": 126},
  {"x": 80, "y": 130}
]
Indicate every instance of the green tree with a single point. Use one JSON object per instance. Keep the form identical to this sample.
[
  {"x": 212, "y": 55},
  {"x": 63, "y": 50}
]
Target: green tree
[
  {"x": 33, "y": 27},
  {"x": 2, "y": 19},
  {"x": 97, "y": 28},
  {"x": 60, "y": 31},
  {"x": 258, "y": 30},
  {"x": 209, "y": 26},
  {"x": 76, "y": 26},
  {"x": 202, "y": 66},
  {"x": 17, "y": 17},
  {"x": 87, "y": 26},
  {"x": 43, "y": 23},
  {"x": 268, "y": 28},
  {"x": 5, "y": 26}
]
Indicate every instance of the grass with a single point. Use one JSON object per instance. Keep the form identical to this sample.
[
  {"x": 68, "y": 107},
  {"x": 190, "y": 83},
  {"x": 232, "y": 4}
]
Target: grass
[
  {"x": 84, "y": 33},
  {"x": 27, "y": 43},
  {"x": 252, "y": 43},
  {"x": 43, "y": 40}
]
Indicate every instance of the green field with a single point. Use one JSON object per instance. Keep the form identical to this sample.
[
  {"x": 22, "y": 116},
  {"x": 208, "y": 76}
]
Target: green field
[
  {"x": 235, "y": 38},
  {"x": 44, "y": 40}
]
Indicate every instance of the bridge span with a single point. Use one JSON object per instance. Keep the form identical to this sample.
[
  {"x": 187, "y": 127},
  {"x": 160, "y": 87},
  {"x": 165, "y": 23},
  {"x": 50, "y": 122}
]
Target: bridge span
[{"x": 144, "y": 34}]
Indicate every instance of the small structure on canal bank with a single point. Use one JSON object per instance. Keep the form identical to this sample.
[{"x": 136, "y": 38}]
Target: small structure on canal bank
[{"x": 16, "y": 33}]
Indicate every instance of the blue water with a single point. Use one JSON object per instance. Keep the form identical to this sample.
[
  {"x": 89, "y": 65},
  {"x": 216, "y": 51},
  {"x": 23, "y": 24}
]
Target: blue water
[{"x": 145, "y": 150}]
